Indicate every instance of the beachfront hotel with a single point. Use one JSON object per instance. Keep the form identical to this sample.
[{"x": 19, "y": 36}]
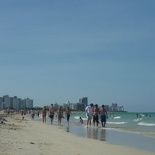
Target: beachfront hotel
[{"x": 15, "y": 103}]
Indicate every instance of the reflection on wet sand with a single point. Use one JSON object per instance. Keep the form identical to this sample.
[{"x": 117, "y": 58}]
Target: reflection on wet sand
[
  {"x": 103, "y": 135},
  {"x": 67, "y": 129},
  {"x": 95, "y": 133}
]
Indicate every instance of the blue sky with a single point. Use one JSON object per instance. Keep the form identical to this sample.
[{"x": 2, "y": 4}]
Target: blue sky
[{"x": 52, "y": 51}]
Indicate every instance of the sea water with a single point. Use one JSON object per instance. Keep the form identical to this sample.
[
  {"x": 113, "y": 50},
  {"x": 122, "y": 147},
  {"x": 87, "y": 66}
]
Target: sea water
[{"x": 122, "y": 128}]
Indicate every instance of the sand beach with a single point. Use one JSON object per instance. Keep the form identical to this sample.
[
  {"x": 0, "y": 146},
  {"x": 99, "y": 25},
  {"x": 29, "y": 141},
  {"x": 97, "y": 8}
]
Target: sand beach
[{"x": 28, "y": 137}]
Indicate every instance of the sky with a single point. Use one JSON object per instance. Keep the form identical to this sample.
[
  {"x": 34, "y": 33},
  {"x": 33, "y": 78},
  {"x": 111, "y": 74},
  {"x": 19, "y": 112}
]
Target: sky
[{"x": 54, "y": 51}]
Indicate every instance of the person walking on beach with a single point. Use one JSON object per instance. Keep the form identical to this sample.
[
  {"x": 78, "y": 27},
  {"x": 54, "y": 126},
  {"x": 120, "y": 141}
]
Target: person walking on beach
[
  {"x": 22, "y": 113},
  {"x": 38, "y": 113},
  {"x": 89, "y": 114},
  {"x": 51, "y": 113},
  {"x": 32, "y": 114},
  {"x": 44, "y": 114},
  {"x": 103, "y": 114},
  {"x": 68, "y": 113},
  {"x": 95, "y": 115},
  {"x": 59, "y": 115}
]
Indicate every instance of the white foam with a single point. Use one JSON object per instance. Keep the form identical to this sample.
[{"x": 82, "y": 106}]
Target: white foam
[
  {"x": 117, "y": 117},
  {"x": 76, "y": 117},
  {"x": 138, "y": 119},
  {"x": 146, "y": 124},
  {"x": 116, "y": 122},
  {"x": 142, "y": 115}
]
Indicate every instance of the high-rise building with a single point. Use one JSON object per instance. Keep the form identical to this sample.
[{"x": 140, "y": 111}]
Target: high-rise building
[
  {"x": 1, "y": 102},
  {"x": 7, "y": 101},
  {"x": 29, "y": 103},
  {"x": 85, "y": 101},
  {"x": 15, "y": 103}
]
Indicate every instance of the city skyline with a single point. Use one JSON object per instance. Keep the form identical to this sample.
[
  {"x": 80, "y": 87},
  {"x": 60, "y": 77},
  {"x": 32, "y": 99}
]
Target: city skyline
[
  {"x": 16, "y": 103},
  {"x": 57, "y": 50}
]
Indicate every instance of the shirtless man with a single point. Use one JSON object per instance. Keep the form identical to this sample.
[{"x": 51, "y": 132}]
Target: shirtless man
[
  {"x": 68, "y": 113},
  {"x": 51, "y": 113},
  {"x": 95, "y": 115},
  {"x": 103, "y": 114}
]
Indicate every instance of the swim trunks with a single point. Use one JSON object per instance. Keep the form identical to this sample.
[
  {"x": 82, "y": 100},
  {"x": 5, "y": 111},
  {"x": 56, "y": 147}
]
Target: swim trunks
[
  {"x": 89, "y": 116},
  {"x": 95, "y": 118},
  {"x": 103, "y": 118},
  {"x": 68, "y": 116}
]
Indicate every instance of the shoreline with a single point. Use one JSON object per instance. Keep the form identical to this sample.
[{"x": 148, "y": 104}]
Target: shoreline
[
  {"x": 114, "y": 137},
  {"x": 27, "y": 137},
  {"x": 111, "y": 135}
]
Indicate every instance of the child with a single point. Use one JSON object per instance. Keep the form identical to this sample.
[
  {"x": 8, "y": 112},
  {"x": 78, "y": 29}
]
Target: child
[{"x": 81, "y": 121}]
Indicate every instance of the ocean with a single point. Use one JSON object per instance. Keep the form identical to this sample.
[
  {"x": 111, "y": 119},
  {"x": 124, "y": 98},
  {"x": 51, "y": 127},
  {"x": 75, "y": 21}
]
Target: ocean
[{"x": 122, "y": 128}]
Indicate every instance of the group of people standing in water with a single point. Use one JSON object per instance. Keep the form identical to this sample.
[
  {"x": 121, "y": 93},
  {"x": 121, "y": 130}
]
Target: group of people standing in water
[{"x": 93, "y": 112}]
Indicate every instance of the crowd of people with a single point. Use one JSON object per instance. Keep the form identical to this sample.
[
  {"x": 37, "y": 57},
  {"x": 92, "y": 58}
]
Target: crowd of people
[{"x": 93, "y": 114}]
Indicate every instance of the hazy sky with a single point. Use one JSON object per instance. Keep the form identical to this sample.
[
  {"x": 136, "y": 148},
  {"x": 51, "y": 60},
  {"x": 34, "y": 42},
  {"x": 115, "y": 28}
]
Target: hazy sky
[{"x": 52, "y": 51}]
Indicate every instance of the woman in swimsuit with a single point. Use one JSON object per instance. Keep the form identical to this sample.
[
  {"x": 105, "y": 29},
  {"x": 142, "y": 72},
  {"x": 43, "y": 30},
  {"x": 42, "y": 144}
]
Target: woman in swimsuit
[
  {"x": 44, "y": 114},
  {"x": 60, "y": 115}
]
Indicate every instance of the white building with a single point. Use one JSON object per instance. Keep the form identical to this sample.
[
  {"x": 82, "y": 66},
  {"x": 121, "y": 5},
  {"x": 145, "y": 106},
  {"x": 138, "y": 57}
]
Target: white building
[
  {"x": 29, "y": 103},
  {"x": 7, "y": 101},
  {"x": 15, "y": 103},
  {"x": 113, "y": 107},
  {"x": 22, "y": 104}
]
